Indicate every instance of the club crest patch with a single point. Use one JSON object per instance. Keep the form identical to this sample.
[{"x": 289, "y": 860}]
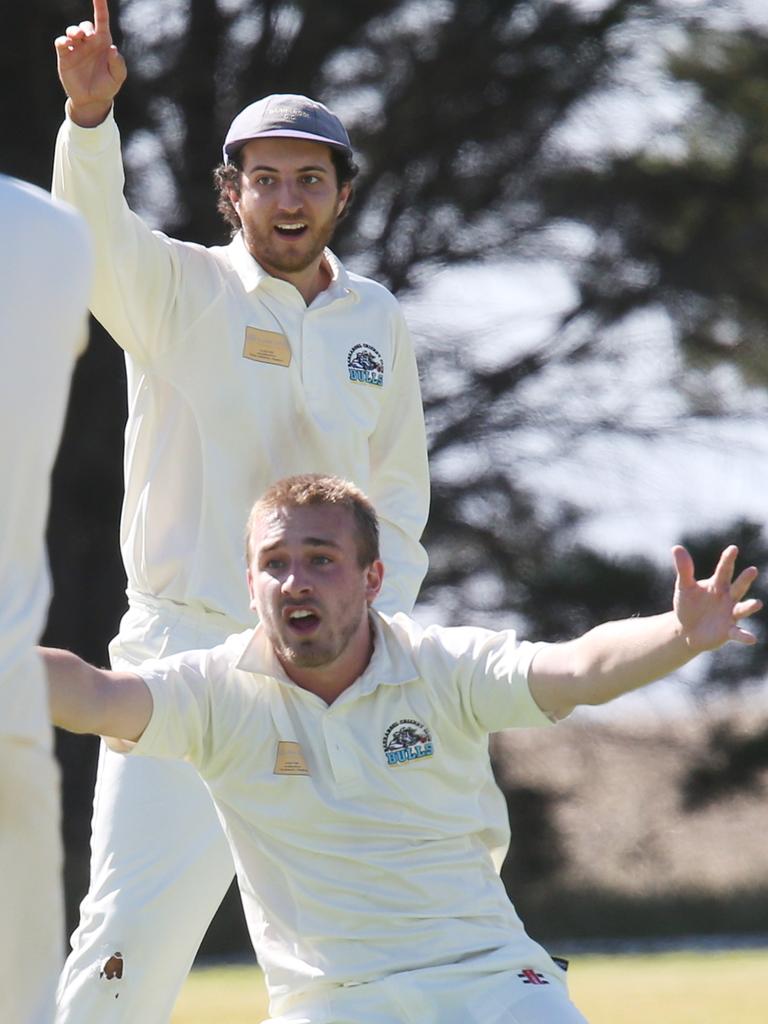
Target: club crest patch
[
  {"x": 365, "y": 365},
  {"x": 405, "y": 741}
]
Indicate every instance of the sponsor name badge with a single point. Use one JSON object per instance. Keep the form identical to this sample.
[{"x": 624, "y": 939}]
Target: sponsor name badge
[
  {"x": 266, "y": 347},
  {"x": 290, "y": 759}
]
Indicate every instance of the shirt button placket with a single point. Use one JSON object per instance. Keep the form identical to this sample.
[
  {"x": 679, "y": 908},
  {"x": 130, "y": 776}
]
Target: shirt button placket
[{"x": 340, "y": 755}]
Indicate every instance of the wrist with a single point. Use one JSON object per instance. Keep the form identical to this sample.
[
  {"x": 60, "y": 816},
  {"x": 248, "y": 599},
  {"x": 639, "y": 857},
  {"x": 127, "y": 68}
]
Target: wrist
[
  {"x": 88, "y": 115},
  {"x": 687, "y": 641}
]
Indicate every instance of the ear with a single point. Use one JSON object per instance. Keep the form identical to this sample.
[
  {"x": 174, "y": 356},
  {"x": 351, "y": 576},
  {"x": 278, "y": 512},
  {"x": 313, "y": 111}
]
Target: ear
[
  {"x": 234, "y": 198},
  {"x": 251, "y": 589},
  {"x": 344, "y": 193},
  {"x": 374, "y": 577}
]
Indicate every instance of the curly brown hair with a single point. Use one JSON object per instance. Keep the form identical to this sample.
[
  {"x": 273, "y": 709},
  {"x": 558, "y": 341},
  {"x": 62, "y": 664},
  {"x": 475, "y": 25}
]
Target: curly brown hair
[{"x": 226, "y": 179}]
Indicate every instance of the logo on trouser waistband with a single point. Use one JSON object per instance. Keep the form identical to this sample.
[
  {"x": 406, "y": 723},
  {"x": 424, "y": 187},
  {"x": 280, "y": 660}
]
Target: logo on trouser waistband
[{"x": 531, "y": 977}]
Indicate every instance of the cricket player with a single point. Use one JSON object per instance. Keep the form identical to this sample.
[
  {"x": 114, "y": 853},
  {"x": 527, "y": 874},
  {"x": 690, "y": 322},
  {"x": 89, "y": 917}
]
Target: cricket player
[
  {"x": 44, "y": 283},
  {"x": 347, "y": 753},
  {"x": 245, "y": 363}
]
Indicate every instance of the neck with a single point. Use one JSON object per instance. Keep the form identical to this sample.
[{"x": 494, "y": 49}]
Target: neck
[{"x": 308, "y": 282}]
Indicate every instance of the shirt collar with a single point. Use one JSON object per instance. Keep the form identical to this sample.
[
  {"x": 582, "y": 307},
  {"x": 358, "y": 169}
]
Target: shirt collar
[
  {"x": 254, "y": 276},
  {"x": 391, "y": 663}
]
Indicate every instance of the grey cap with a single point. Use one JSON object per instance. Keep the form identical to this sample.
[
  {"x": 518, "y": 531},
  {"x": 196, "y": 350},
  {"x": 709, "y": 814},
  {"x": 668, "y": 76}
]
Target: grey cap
[{"x": 284, "y": 115}]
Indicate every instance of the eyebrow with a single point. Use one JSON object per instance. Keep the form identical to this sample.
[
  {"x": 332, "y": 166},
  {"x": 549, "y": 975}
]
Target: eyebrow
[
  {"x": 312, "y": 542},
  {"x": 299, "y": 170}
]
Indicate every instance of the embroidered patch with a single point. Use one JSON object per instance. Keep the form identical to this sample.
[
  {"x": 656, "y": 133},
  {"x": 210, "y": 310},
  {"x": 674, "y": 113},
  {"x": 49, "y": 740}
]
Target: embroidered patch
[
  {"x": 365, "y": 365},
  {"x": 407, "y": 740}
]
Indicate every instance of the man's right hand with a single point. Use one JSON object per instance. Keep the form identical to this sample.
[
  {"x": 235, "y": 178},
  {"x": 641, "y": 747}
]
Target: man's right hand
[{"x": 90, "y": 67}]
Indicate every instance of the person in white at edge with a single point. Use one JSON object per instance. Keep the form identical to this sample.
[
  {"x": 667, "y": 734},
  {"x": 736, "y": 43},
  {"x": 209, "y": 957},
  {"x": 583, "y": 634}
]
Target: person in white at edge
[
  {"x": 44, "y": 286},
  {"x": 245, "y": 363},
  {"x": 347, "y": 753}
]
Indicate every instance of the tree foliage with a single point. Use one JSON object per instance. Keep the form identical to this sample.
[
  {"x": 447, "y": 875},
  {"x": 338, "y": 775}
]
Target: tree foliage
[{"x": 685, "y": 225}]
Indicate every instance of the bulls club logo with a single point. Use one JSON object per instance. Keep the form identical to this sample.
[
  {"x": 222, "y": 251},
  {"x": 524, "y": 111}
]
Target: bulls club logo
[
  {"x": 365, "y": 365},
  {"x": 406, "y": 741}
]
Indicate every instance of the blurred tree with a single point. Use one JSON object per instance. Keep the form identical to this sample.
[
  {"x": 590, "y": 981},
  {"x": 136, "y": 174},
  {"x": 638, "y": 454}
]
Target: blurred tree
[
  {"x": 684, "y": 226},
  {"x": 732, "y": 763}
]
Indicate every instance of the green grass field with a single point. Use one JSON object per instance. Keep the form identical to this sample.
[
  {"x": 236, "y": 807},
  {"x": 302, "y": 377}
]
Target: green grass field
[{"x": 659, "y": 988}]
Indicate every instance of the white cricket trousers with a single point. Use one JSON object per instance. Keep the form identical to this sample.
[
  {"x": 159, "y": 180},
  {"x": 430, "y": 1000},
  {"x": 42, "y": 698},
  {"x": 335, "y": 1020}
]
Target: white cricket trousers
[
  {"x": 160, "y": 862},
  {"x": 31, "y": 901},
  {"x": 448, "y": 994}
]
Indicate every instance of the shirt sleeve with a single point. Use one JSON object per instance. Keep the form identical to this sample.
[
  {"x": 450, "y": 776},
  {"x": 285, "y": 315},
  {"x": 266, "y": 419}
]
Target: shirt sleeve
[
  {"x": 490, "y": 672},
  {"x": 399, "y": 487},
  {"x": 500, "y": 695},
  {"x": 181, "y": 714},
  {"x": 138, "y": 270},
  {"x": 478, "y": 674}
]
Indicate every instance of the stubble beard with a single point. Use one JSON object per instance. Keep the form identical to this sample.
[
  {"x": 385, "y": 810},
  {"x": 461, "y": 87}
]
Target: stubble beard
[
  {"x": 311, "y": 653},
  {"x": 264, "y": 250}
]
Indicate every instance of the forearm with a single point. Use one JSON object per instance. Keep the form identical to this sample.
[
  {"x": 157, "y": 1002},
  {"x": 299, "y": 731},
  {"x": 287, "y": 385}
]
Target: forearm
[
  {"x": 84, "y": 699},
  {"x": 620, "y": 656},
  {"x": 73, "y": 691},
  {"x": 606, "y": 662}
]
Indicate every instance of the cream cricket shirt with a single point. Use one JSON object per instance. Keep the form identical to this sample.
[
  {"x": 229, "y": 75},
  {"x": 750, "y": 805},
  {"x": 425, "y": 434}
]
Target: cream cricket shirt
[
  {"x": 44, "y": 284},
  {"x": 233, "y": 383},
  {"x": 366, "y": 834}
]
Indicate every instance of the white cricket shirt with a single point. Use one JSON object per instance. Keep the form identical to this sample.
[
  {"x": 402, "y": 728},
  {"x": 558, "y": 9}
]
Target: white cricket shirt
[
  {"x": 233, "y": 382},
  {"x": 367, "y": 834},
  {"x": 45, "y": 262}
]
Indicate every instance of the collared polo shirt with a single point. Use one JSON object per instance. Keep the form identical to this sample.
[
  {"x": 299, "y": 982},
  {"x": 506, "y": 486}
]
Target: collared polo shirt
[{"x": 367, "y": 834}]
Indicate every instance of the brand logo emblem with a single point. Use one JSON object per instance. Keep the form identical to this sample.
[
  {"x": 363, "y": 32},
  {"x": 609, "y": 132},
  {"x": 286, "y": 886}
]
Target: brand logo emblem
[
  {"x": 531, "y": 977},
  {"x": 365, "y": 365},
  {"x": 405, "y": 741}
]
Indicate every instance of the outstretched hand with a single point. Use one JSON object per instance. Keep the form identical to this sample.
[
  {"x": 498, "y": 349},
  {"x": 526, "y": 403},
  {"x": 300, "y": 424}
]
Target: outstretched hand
[
  {"x": 710, "y": 611},
  {"x": 90, "y": 67}
]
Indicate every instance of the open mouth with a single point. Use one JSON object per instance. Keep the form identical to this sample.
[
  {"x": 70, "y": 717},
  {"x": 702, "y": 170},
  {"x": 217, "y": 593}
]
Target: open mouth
[
  {"x": 302, "y": 620},
  {"x": 291, "y": 231}
]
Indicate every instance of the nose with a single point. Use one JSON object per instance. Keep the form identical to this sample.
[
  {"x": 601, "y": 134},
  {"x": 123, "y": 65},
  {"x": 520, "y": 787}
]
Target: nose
[
  {"x": 289, "y": 200},
  {"x": 295, "y": 583}
]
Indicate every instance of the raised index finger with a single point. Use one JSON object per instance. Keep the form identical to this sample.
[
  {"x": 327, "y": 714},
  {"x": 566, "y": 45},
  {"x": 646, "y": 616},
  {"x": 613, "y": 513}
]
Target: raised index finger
[{"x": 101, "y": 16}]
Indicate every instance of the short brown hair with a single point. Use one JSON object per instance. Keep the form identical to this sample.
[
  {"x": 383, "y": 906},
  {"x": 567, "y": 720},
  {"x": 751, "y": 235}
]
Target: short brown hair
[
  {"x": 316, "y": 489},
  {"x": 226, "y": 178}
]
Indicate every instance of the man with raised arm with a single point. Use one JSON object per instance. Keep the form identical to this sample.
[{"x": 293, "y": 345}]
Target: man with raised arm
[
  {"x": 347, "y": 753},
  {"x": 245, "y": 362},
  {"x": 45, "y": 276}
]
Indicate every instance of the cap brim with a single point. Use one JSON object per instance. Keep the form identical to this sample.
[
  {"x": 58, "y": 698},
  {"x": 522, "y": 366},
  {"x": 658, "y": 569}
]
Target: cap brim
[{"x": 234, "y": 145}]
